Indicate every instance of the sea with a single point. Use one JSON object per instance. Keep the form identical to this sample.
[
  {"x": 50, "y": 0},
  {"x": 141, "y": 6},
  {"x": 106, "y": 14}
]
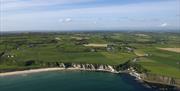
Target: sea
[{"x": 71, "y": 81}]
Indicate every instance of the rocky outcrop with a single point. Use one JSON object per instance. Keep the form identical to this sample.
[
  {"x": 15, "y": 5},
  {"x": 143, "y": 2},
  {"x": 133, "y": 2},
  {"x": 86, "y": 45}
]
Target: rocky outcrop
[
  {"x": 90, "y": 67},
  {"x": 61, "y": 65},
  {"x": 160, "y": 79}
]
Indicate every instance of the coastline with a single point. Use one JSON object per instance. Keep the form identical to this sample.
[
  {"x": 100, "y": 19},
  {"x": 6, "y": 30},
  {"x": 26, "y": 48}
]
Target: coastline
[
  {"x": 146, "y": 83},
  {"x": 156, "y": 82},
  {"x": 48, "y": 69}
]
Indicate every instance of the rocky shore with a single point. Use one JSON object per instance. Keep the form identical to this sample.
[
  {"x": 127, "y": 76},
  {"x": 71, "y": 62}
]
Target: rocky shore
[{"x": 159, "y": 79}]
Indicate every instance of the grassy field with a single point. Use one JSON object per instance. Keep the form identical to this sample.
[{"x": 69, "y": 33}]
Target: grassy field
[
  {"x": 38, "y": 49},
  {"x": 161, "y": 62},
  {"x": 46, "y": 48}
]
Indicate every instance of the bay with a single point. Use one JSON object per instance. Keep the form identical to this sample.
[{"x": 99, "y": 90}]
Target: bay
[{"x": 71, "y": 81}]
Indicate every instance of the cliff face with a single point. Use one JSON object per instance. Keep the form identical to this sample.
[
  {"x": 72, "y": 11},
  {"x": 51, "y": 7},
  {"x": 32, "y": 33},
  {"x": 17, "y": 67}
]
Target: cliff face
[
  {"x": 107, "y": 68},
  {"x": 161, "y": 79},
  {"x": 91, "y": 67}
]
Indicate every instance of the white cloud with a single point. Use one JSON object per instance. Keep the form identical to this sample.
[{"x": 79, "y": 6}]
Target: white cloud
[
  {"x": 164, "y": 24},
  {"x": 66, "y": 20}
]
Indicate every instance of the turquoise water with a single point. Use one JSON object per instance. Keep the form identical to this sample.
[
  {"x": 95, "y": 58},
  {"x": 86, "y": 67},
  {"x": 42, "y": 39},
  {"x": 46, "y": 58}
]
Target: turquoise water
[{"x": 70, "y": 81}]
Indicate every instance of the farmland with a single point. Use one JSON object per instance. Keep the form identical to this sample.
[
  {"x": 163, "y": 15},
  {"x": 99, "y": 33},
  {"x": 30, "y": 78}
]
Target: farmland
[{"x": 36, "y": 50}]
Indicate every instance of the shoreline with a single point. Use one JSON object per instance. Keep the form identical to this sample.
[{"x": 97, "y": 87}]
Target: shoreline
[
  {"x": 49, "y": 69},
  {"x": 155, "y": 82},
  {"x": 31, "y": 71}
]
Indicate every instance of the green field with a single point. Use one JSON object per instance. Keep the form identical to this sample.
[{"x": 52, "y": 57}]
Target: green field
[
  {"x": 161, "y": 62},
  {"x": 30, "y": 50}
]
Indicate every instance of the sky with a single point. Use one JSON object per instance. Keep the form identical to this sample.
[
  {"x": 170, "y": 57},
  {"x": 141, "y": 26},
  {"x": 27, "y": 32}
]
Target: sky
[{"x": 72, "y": 15}]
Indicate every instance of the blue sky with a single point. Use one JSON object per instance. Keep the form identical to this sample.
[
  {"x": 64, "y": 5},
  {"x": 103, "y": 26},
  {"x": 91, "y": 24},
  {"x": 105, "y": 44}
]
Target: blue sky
[{"x": 20, "y": 15}]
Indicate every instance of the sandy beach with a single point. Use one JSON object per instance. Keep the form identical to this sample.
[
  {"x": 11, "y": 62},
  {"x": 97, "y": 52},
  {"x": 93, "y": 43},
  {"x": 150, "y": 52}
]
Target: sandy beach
[{"x": 30, "y": 71}]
